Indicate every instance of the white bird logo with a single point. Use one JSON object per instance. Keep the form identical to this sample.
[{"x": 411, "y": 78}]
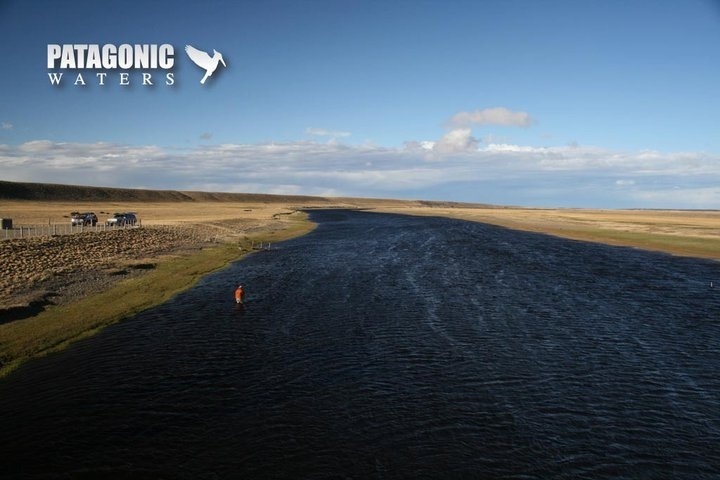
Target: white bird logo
[{"x": 205, "y": 61}]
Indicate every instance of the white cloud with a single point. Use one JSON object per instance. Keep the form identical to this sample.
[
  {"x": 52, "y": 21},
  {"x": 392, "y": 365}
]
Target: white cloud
[
  {"x": 6, "y": 126},
  {"x": 491, "y": 116},
  {"x": 492, "y": 138},
  {"x": 456, "y": 141},
  {"x": 321, "y": 132},
  {"x": 419, "y": 147},
  {"x": 624, "y": 183},
  {"x": 510, "y": 148},
  {"x": 38, "y": 146}
]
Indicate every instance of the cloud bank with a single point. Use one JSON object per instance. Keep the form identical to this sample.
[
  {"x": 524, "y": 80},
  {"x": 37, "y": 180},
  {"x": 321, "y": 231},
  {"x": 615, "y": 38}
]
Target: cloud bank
[{"x": 455, "y": 167}]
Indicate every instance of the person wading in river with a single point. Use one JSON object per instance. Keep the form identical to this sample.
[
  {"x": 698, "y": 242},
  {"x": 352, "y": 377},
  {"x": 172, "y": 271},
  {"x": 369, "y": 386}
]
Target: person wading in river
[{"x": 239, "y": 295}]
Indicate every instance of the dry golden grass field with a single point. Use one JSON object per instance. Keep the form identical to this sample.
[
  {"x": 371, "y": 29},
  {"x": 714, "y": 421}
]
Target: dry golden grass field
[{"x": 25, "y": 212}]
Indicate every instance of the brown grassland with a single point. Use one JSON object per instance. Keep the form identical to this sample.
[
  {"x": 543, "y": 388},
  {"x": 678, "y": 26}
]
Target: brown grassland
[{"x": 48, "y": 301}]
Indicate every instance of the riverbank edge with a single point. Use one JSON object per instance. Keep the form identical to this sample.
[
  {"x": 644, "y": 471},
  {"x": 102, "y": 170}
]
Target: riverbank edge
[
  {"x": 58, "y": 327},
  {"x": 677, "y": 245}
]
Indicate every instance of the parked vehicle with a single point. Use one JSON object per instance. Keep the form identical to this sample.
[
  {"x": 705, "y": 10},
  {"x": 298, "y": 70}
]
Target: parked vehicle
[
  {"x": 87, "y": 218},
  {"x": 122, "y": 219}
]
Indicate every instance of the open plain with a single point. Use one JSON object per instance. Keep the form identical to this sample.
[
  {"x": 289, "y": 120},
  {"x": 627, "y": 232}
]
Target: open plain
[{"x": 185, "y": 235}]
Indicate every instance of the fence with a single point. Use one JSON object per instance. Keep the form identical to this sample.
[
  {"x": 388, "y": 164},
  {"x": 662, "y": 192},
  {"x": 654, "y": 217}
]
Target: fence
[
  {"x": 192, "y": 232},
  {"x": 28, "y": 231}
]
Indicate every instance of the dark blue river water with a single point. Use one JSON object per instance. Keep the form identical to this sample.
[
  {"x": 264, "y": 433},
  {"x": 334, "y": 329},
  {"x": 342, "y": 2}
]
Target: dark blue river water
[{"x": 392, "y": 347}]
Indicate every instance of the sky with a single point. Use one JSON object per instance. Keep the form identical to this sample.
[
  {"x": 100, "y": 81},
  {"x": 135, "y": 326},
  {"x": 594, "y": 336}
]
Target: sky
[{"x": 547, "y": 103}]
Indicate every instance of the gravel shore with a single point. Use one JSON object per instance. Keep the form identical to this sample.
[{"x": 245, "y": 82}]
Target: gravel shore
[{"x": 42, "y": 271}]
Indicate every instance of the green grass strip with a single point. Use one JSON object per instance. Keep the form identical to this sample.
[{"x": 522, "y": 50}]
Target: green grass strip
[{"x": 701, "y": 247}]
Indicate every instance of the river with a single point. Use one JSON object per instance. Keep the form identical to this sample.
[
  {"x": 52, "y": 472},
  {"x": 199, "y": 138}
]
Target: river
[{"x": 392, "y": 347}]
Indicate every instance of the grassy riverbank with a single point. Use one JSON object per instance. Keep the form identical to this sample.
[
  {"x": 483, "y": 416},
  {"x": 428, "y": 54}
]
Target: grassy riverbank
[
  {"x": 59, "y": 326},
  {"x": 685, "y": 233}
]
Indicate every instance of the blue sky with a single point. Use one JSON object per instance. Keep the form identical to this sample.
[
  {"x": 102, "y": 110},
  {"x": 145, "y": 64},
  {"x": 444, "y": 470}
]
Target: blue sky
[{"x": 540, "y": 103}]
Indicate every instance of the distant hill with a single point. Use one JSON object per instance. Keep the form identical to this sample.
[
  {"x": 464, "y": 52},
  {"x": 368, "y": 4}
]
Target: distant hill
[
  {"x": 83, "y": 193},
  {"x": 78, "y": 193}
]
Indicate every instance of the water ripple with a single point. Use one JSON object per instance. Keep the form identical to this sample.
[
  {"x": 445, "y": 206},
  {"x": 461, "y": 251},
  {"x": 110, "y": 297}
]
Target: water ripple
[{"x": 393, "y": 347}]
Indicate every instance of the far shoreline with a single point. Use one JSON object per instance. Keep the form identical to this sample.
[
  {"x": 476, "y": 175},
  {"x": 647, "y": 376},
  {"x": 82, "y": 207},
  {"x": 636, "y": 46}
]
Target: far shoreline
[{"x": 688, "y": 233}]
